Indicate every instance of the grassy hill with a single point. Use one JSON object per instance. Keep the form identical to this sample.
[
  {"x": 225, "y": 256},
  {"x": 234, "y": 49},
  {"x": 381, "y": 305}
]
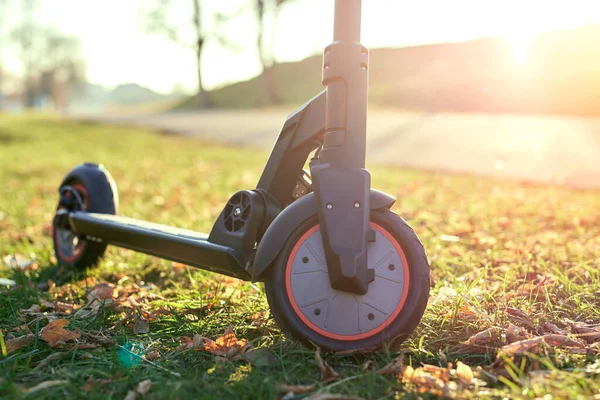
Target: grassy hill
[{"x": 561, "y": 74}]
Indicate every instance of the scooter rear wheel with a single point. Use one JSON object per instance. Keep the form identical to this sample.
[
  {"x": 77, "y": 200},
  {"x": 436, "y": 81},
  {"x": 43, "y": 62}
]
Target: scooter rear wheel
[
  {"x": 98, "y": 194},
  {"x": 305, "y": 306}
]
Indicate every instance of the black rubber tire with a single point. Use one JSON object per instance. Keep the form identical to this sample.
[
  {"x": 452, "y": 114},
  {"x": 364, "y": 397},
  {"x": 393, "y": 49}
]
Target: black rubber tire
[
  {"x": 100, "y": 196},
  {"x": 402, "y": 326}
]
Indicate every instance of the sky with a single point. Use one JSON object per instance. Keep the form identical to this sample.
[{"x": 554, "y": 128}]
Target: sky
[{"x": 118, "y": 49}]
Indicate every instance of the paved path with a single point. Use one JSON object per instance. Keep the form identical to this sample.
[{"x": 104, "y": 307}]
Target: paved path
[{"x": 557, "y": 149}]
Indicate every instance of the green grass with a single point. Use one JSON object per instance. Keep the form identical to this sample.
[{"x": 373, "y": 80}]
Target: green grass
[{"x": 503, "y": 236}]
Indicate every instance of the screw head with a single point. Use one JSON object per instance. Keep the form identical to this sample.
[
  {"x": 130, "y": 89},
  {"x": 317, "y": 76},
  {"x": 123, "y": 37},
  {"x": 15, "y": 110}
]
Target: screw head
[
  {"x": 305, "y": 260},
  {"x": 391, "y": 267},
  {"x": 317, "y": 311},
  {"x": 357, "y": 205},
  {"x": 237, "y": 211},
  {"x": 329, "y": 206},
  {"x": 371, "y": 316}
]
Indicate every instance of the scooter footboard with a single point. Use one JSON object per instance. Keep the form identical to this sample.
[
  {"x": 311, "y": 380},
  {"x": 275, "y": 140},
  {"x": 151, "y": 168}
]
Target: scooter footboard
[{"x": 180, "y": 245}]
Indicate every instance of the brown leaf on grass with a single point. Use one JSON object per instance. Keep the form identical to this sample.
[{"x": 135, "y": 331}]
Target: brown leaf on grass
[
  {"x": 515, "y": 333},
  {"x": 521, "y": 347},
  {"x": 519, "y": 318},
  {"x": 227, "y": 345},
  {"x": 590, "y": 335},
  {"x": 297, "y": 389},
  {"x": 189, "y": 343},
  {"x": 18, "y": 342},
  {"x": 141, "y": 325},
  {"x": 549, "y": 327},
  {"x": 425, "y": 381},
  {"x": 561, "y": 341},
  {"x": 464, "y": 372},
  {"x": 327, "y": 373},
  {"x": 367, "y": 366},
  {"x": 396, "y": 367},
  {"x": 34, "y": 309},
  {"x": 438, "y": 372},
  {"x": 153, "y": 355},
  {"x": 143, "y": 387},
  {"x": 88, "y": 385},
  {"x": 24, "y": 329},
  {"x": 485, "y": 337},
  {"x": 53, "y": 333},
  {"x": 103, "y": 291}
]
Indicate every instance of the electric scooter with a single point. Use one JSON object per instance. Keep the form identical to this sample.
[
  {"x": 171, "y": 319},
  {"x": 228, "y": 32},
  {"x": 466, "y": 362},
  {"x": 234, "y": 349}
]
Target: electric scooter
[{"x": 341, "y": 270}]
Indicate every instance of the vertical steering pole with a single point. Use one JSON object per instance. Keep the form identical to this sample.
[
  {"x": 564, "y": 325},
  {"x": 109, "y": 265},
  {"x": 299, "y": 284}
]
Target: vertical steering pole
[
  {"x": 345, "y": 74},
  {"x": 341, "y": 184}
]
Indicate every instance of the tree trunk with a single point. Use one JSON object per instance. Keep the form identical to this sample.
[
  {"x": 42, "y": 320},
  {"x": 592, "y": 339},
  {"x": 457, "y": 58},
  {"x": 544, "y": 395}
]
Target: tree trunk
[
  {"x": 203, "y": 101},
  {"x": 268, "y": 91}
]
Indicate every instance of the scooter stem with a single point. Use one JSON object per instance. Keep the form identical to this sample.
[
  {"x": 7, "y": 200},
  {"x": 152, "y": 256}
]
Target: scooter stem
[{"x": 341, "y": 183}]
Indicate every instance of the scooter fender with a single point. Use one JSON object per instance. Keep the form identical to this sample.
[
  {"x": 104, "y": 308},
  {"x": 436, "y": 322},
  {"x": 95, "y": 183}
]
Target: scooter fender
[
  {"x": 100, "y": 185},
  {"x": 289, "y": 219}
]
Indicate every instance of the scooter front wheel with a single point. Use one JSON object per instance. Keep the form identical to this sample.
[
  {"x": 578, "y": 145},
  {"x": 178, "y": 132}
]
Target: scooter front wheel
[{"x": 306, "y": 306}]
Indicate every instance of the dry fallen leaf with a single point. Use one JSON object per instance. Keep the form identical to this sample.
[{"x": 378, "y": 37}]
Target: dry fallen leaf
[
  {"x": 88, "y": 385},
  {"x": 143, "y": 387},
  {"x": 153, "y": 355},
  {"x": 188, "y": 343},
  {"x": 327, "y": 373},
  {"x": 395, "y": 367},
  {"x": 438, "y": 372},
  {"x": 519, "y": 318},
  {"x": 515, "y": 333},
  {"x": 53, "y": 333},
  {"x": 425, "y": 381},
  {"x": 521, "y": 347},
  {"x": 485, "y": 337},
  {"x": 141, "y": 325},
  {"x": 297, "y": 389},
  {"x": 103, "y": 291},
  {"x": 464, "y": 372},
  {"x": 367, "y": 366},
  {"x": 561, "y": 341},
  {"x": 34, "y": 309},
  {"x": 227, "y": 345},
  {"x": 18, "y": 342},
  {"x": 590, "y": 335}
]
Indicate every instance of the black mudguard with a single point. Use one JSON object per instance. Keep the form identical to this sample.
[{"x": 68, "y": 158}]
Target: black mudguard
[
  {"x": 289, "y": 219},
  {"x": 102, "y": 190}
]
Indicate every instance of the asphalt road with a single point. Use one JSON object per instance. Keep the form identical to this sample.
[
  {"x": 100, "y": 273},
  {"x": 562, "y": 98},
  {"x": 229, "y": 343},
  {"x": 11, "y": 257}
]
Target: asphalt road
[{"x": 556, "y": 149}]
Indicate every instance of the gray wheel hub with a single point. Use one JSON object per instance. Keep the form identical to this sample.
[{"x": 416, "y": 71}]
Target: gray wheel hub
[{"x": 341, "y": 313}]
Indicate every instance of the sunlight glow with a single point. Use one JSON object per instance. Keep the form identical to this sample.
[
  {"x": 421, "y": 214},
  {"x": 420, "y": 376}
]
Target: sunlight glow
[{"x": 520, "y": 48}]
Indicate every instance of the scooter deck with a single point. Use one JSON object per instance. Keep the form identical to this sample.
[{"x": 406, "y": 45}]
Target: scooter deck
[{"x": 180, "y": 245}]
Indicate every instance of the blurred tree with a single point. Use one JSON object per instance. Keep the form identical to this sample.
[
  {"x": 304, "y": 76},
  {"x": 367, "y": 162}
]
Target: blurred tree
[
  {"x": 266, "y": 49},
  {"x": 2, "y": 21},
  {"x": 52, "y": 63},
  {"x": 159, "y": 21}
]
